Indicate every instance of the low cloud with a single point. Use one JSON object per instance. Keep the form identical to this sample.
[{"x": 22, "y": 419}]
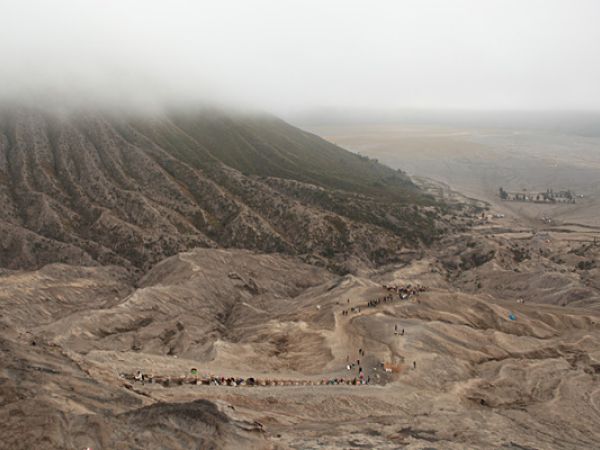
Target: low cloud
[{"x": 287, "y": 56}]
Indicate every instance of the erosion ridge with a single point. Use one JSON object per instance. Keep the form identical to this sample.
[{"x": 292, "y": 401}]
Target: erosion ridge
[
  {"x": 101, "y": 188},
  {"x": 465, "y": 373}
]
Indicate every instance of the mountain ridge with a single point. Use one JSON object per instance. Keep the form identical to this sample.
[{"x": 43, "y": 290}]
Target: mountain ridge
[{"x": 94, "y": 188}]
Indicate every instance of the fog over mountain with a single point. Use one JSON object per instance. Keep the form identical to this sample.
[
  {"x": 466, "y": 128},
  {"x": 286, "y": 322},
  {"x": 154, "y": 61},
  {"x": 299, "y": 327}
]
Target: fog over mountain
[
  {"x": 412, "y": 262},
  {"x": 286, "y": 56}
]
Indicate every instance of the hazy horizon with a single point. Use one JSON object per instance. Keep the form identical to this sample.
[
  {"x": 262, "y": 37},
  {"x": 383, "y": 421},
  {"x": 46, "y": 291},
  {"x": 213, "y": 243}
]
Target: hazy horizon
[{"x": 288, "y": 57}]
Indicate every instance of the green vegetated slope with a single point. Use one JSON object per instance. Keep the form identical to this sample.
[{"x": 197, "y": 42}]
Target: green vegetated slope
[{"x": 267, "y": 146}]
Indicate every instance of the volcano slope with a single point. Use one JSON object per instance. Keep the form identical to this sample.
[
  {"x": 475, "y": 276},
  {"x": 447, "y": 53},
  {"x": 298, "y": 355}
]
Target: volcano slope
[
  {"x": 166, "y": 244},
  {"x": 464, "y": 374},
  {"x": 97, "y": 188}
]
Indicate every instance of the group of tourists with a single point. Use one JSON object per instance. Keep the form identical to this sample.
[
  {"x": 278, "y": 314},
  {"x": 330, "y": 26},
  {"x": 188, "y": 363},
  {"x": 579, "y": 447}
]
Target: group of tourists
[
  {"x": 250, "y": 381},
  {"x": 407, "y": 291},
  {"x": 397, "y": 292},
  {"x": 397, "y": 332},
  {"x": 376, "y": 302},
  {"x": 352, "y": 309},
  {"x": 349, "y": 381},
  {"x": 403, "y": 293}
]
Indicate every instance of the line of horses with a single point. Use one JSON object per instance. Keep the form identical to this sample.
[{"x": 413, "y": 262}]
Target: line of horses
[{"x": 167, "y": 381}]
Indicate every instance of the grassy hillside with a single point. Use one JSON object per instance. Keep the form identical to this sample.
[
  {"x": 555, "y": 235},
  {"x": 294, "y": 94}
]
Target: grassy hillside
[{"x": 267, "y": 146}]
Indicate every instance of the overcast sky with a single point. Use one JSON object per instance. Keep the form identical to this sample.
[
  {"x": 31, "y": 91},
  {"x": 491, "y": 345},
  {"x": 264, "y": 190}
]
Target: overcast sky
[{"x": 287, "y": 56}]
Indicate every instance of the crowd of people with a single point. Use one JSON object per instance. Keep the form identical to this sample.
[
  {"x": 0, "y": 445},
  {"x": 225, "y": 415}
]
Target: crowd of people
[
  {"x": 352, "y": 309},
  {"x": 362, "y": 378},
  {"x": 396, "y": 292},
  {"x": 407, "y": 291},
  {"x": 402, "y": 292},
  {"x": 250, "y": 381}
]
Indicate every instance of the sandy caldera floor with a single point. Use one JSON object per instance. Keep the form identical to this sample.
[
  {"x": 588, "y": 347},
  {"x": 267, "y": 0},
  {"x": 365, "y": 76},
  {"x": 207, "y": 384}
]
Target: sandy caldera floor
[{"x": 501, "y": 351}]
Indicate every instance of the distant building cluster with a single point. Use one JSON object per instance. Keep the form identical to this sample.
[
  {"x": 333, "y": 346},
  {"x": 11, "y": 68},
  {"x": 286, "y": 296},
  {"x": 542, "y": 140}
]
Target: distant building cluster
[{"x": 550, "y": 196}]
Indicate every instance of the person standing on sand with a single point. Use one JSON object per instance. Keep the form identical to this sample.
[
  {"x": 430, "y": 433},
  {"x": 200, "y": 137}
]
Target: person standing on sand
[{"x": 414, "y": 365}]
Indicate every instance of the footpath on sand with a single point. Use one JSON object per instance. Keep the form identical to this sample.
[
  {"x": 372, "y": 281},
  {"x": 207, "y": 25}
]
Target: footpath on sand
[{"x": 393, "y": 294}]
